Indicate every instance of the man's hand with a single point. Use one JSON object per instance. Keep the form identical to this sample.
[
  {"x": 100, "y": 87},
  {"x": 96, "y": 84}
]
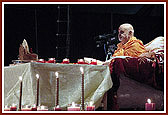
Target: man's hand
[{"x": 107, "y": 62}]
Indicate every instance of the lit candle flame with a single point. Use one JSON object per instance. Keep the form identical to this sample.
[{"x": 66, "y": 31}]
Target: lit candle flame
[
  {"x": 149, "y": 101},
  {"x": 91, "y": 103},
  {"x": 13, "y": 105},
  {"x": 80, "y": 60},
  {"x": 27, "y": 106},
  {"x": 93, "y": 60},
  {"x": 6, "y": 106},
  {"x": 41, "y": 59},
  {"x": 37, "y": 75},
  {"x": 57, "y": 106},
  {"x": 42, "y": 107},
  {"x": 65, "y": 59},
  {"x": 73, "y": 104},
  {"x": 56, "y": 74},
  {"x": 20, "y": 78},
  {"x": 81, "y": 69},
  {"x": 51, "y": 58},
  {"x": 34, "y": 105}
]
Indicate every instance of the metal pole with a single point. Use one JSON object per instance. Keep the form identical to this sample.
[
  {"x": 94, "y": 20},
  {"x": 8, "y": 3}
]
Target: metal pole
[
  {"x": 58, "y": 30},
  {"x": 36, "y": 31},
  {"x": 68, "y": 37}
]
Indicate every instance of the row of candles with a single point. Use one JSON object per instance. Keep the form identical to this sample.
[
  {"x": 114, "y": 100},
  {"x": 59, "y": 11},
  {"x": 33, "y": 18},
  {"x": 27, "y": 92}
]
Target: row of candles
[
  {"x": 73, "y": 107},
  {"x": 66, "y": 61}
]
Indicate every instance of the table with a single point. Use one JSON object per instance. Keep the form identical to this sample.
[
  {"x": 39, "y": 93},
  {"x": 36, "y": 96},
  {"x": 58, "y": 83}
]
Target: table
[{"x": 97, "y": 82}]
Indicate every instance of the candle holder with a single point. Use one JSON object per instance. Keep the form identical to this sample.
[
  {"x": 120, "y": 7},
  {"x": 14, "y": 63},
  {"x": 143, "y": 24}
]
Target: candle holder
[
  {"x": 93, "y": 62},
  {"x": 90, "y": 106},
  {"x": 149, "y": 106},
  {"x": 41, "y": 61},
  {"x": 6, "y": 108},
  {"x": 51, "y": 60},
  {"x": 57, "y": 108},
  {"x": 74, "y": 107},
  {"x": 65, "y": 61},
  {"x": 81, "y": 61},
  {"x": 42, "y": 108}
]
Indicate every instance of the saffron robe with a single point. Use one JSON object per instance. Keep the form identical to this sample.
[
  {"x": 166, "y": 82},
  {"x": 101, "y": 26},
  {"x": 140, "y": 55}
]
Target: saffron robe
[{"x": 133, "y": 48}]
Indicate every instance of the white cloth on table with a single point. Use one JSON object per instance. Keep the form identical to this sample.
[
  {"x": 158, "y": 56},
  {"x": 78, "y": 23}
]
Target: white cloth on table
[{"x": 97, "y": 81}]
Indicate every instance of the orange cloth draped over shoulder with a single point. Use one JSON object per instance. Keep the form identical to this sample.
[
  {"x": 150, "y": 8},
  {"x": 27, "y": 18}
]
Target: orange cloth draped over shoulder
[{"x": 133, "y": 48}]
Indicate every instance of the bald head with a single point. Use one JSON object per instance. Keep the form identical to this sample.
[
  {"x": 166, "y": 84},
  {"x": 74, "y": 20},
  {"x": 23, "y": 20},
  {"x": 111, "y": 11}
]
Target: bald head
[{"x": 126, "y": 31}]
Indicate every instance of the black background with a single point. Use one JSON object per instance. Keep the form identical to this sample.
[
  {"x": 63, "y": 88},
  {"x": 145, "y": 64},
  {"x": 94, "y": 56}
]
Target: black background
[{"x": 86, "y": 22}]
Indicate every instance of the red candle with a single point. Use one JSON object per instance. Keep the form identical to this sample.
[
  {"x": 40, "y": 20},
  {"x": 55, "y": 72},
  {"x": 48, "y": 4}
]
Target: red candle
[
  {"x": 57, "y": 108},
  {"x": 73, "y": 108},
  {"x": 65, "y": 61},
  {"x": 149, "y": 106},
  {"x": 51, "y": 60},
  {"x": 57, "y": 88},
  {"x": 90, "y": 107},
  {"x": 6, "y": 109},
  {"x": 26, "y": 109},
  {"x": 41, "y": 61},
  {"x": 20, "y": 98},
  {"x": 13, "y": 107},
  {"x": 37, "y": 101},
  {"x": 82, "y": 98},
  {"x": 81, "y": 61},
  {"x": 34, "y": 108},
  {"x": 93, "y": 62}
]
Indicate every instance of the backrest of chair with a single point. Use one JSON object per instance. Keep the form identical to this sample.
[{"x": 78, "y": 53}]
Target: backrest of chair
[{"x": 156, "y": 45}]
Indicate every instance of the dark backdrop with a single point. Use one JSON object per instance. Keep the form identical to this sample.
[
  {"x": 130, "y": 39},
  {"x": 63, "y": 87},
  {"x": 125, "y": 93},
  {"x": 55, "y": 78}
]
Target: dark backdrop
[{"x": 38, "y": 25}]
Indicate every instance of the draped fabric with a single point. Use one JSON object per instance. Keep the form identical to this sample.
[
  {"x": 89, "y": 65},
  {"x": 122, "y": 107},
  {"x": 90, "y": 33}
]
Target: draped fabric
[
  {"x": 133, "y": 48},
  {"x": 140, "y": 69},
  {"x": 135, "y": 80},
  {"x": 97, "y": 81}
]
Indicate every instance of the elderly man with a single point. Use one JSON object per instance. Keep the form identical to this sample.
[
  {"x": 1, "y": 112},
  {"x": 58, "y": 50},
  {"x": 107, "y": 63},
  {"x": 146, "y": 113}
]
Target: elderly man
[{"x": 129, "y": 45}]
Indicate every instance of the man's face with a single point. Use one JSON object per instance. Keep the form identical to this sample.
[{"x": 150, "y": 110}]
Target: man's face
[
  {"x": 125, "y": 32},
  {"x": 121, "y": 35}
]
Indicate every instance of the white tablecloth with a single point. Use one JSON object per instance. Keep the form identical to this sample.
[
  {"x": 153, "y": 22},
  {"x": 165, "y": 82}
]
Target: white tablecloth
[{"x": 97, "y": 82}]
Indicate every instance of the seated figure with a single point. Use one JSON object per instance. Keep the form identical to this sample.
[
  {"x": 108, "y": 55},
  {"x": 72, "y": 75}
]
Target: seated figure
[
  {"x": 25, "y": 54},
  {"x": 129, "y": 45},
  {"x": 138, "y": 68}
]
